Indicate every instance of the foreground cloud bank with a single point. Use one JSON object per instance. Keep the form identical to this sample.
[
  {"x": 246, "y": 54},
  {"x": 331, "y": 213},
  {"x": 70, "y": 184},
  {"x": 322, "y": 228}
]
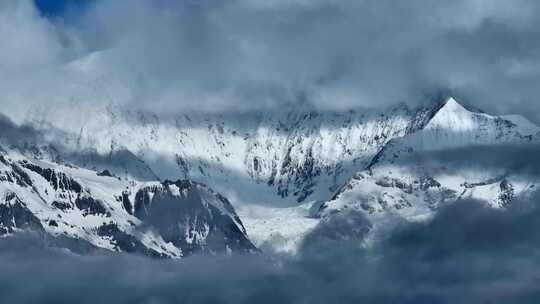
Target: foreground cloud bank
[
  {"x": 468, "y": 253},
  {"x": 167, "y": 56},
  {"x": 244, "y": 54}
]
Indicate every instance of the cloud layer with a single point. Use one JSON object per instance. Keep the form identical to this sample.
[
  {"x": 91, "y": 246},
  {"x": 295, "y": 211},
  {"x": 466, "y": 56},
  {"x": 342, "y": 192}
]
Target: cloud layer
[
  {"x": 170, "y": 56},
  {"x": 247, "y": 54},
  {"x": 468, "y": 253}
]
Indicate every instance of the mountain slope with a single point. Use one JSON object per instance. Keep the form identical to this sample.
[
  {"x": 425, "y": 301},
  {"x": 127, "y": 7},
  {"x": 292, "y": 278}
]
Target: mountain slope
[
  {"x": 458, "y": 154},
  {"x": 395, "y": 160},
  {"x": 84, "y": 210},
  {"x": 277, "y": 158}
]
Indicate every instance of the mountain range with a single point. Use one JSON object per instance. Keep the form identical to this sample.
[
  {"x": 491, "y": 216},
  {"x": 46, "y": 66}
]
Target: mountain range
[{"x": 175, "y": 185}]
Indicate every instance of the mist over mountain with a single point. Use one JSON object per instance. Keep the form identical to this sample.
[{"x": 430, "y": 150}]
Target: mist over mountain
[
  {"x": 269, "y": 151},
  {"x": 242, "y": 55},
  {"x": 466, "y": 254}
]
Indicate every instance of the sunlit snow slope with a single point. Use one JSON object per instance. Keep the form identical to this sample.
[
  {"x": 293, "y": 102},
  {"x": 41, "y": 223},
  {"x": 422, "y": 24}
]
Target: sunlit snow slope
[
  {"x": 85, "y": 211},
  {"x": 284, "y": 170},
  {"x": 459, "y": 154}
]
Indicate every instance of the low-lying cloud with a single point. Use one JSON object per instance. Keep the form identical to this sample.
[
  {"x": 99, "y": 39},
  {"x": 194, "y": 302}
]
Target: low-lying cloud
[
  {"x": 517, "y": 159},
  {"x": 468, "y": 253},
  {"x": 247, "y": 54}
]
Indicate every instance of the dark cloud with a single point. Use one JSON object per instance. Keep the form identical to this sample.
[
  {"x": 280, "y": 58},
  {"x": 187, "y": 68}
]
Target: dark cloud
[
  {"x": 516, "y": 159},
  {"x": 468, "y": 253},
  {"x": 343, "y": 228},
  {"x": 245, "y": 54}
]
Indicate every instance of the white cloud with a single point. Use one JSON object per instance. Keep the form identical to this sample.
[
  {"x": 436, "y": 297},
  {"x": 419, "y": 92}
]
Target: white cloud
[
  {"x": 245, "y": 54},
  {"x": 28, "y": 41}
]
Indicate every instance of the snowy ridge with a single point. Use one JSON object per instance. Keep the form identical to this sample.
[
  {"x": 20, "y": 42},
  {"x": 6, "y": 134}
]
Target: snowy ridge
[
  {"x": 287, "y": 160},
  {"x": 99, "y": 211},
  {"x": 455, "y": 126},
  {"x": 275, "y": 159},
  {"x": 414, "y": 175},
  {"x": 282, "y": 158},
  {"x": 379, "y": 162}
]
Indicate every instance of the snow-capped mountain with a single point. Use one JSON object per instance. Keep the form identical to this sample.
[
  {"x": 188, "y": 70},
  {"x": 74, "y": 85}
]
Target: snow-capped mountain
[
  {"x": 272, "y": 165},
  {"x": 85, "y": 210},
  {"x": 281, "y": 158},
  {"x": 282, "y": 170},
  {"x": 457, "y": 154}
]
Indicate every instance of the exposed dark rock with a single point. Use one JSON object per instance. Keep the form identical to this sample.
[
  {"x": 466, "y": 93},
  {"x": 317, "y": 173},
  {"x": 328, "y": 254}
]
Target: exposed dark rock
[
  {"x": 124, "y": 241},
  {"x": 256, "y": 167},
  {"x": 90, "y": 206},
  {"x": 127, "y": 203},
  {"x": 105, "y": 173},
  {"x": 15, "y": 215},
  {"x": 21, "y": 178},
  {"x": 182, "y": 164},
  {"x": 507, "y": 194},
  {"x": 58, "y": 180},
  {"x": 189, "y": 223},
  {"x": 62, "y": 205}
]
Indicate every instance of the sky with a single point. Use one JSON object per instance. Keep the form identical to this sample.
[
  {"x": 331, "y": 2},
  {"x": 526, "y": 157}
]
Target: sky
[
  {"x": 241, "y": 55},
  {"x": 53, "y": 8}
]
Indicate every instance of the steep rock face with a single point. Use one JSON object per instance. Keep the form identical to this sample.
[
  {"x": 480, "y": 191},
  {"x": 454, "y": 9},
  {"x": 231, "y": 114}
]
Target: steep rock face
[
  {"x": 458, "y": 154},
  {"x": 192, "y": 217},
  {"x": 84, "y": 210},
  {"x": 15, "y": 215}
]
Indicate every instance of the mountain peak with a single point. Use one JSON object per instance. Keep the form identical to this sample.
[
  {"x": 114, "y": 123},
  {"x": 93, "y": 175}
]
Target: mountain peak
[
  {"x": 452, "y": 104},
  {"x": 452, "y": 115}
]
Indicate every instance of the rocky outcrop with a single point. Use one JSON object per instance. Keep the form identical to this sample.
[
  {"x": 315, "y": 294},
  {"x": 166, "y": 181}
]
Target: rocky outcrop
[{"x": 84, "y": 211}]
